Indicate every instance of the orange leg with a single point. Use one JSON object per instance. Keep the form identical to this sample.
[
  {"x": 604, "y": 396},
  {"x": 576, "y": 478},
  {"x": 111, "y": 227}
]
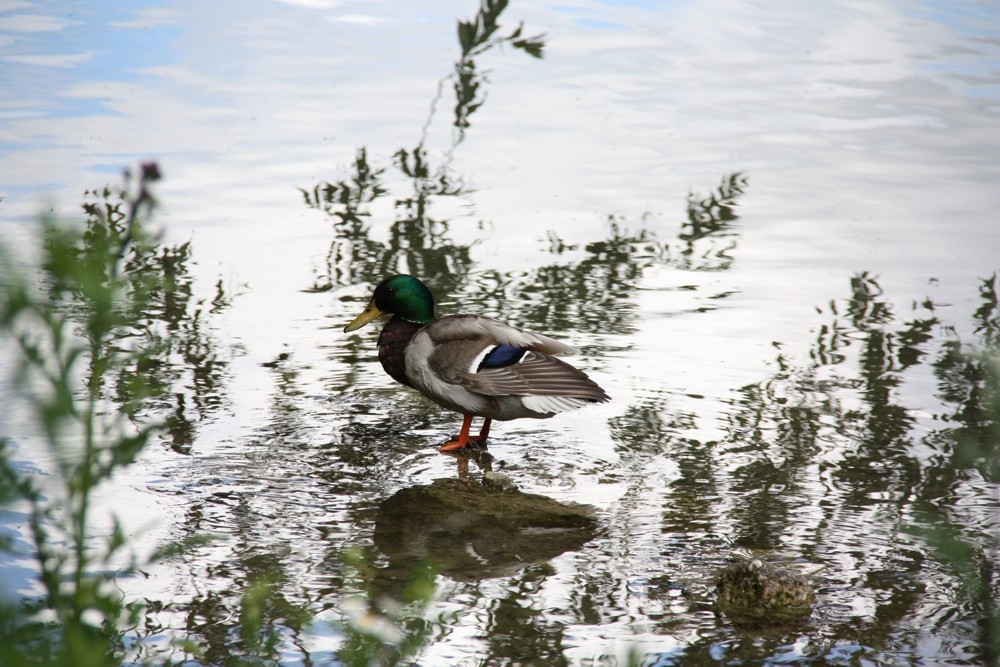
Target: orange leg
[
  {"x": 463, "y": 439},
  {"x": 483, "y": 432}
]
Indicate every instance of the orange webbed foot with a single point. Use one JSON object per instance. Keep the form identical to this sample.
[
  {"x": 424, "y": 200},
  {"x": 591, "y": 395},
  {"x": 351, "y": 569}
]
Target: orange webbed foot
[
  {"x": 464, "y": 439},
  {"x": 454, "y": 445}
]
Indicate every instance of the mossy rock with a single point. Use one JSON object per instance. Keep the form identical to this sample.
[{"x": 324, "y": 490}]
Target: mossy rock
[
  {"x": 756, "y": 590},
  {"x": 474, "y": 531}
]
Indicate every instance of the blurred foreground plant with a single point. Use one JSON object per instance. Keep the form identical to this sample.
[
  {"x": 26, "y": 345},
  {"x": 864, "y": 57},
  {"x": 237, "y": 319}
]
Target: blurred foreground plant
[
  {"x": 91, "y": 327},
  {"x": 75, "y": 332},
  {"x": 388, "y": 628}
]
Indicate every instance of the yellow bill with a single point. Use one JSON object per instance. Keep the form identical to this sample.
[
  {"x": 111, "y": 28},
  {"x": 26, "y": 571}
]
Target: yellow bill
[{"x": 371, "y": 312}]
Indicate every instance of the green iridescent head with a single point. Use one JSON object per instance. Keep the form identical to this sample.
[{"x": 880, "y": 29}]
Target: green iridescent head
[{"x": 400, "y": 295}]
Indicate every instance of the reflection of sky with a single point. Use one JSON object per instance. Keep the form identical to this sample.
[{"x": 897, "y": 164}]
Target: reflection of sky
[
  {"x": 869, "y": 133},
  {"x": 842, "y": 114},
  {"x": 99, "y": 40},
  {"x": 970, "y": 67},
  {"x": 828, "y": 107},
  {"x": 868, "y": 124},
  {"x": 854, "y": 119},
  {"x": 156, "y": 81}
]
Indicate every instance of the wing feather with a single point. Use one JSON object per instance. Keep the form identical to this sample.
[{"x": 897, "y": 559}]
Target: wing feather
[
  {"x": 537, "y": 374},
  {"x": 445, "y": 360}
]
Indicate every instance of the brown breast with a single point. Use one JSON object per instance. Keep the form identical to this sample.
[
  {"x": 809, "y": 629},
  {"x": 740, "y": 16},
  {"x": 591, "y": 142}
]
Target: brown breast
[{"x": 392, "y": 342}]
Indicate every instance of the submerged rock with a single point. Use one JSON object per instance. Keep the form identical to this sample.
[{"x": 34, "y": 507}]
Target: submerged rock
[
  {"x": 499, "y": 480},
  {"x": 476, "y": 531},
  {"x": 756, "y": 590}
]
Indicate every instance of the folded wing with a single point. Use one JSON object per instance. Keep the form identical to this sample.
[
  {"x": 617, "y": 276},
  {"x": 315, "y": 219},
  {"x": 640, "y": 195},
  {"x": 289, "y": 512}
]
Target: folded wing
[{"x": 500, "y": 360}]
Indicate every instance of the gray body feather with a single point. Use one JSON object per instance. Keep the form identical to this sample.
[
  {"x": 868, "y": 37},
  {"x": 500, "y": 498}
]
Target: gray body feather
[{"x": 443, "y": 359}]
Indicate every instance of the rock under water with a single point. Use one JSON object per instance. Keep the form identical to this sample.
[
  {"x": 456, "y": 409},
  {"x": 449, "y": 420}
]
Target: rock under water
[{"x": 752, "y": 589}]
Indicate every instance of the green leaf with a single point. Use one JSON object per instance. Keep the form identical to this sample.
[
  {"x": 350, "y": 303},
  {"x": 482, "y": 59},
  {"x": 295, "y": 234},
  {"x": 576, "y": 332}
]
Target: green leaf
[
  {"x": 466, "y": 36},
  {"x": 532, "y": 46}
]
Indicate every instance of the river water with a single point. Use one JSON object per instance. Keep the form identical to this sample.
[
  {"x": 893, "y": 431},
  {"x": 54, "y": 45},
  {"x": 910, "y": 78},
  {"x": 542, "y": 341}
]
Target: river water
[{"x": 770, "y": 230}]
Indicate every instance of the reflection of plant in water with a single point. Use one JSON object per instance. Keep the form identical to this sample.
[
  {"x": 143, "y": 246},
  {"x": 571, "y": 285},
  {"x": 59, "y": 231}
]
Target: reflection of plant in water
[
  {"x": 593, "y": 292},
  {"x": 710, "y": 219},
  {"x": 260, "y": 611},
  {"x": 417, "y": 240},
  {"x": 476, "y": 37},
  {"x": 387, "y": 628},
  {"x": 518, "y": 628},
  {"x": 855, "y": 421},
  {"x": 352, "y": 253},
  {"x": 714, "y": 213},
  {"x": 347, "y": 200},
  {"x": 782, "y": 425},
  {"x": 829, "y": 450},
  {"x": 426, "y": 184},
  {"x": 247, "y": 623},
  {"x": 589, "y": 290},
  {"x": 167, "y": 317},
  {"x": 645, "y": 429},
  {"x": 969, "y": 379}
]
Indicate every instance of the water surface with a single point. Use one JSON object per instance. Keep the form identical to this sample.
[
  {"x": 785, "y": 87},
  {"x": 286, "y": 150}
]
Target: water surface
[{"x": 767, "y": 229}]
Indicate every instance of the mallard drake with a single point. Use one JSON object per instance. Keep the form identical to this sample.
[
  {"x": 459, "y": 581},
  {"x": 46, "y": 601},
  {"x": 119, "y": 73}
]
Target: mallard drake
[{"x": 472, "y": 364}]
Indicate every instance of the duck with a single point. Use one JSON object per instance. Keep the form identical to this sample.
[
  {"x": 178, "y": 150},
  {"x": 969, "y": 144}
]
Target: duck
[{"x": 472, "y": 364}]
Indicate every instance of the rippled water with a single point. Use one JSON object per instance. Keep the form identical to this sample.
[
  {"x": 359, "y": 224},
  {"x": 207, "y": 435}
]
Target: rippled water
[{"x": 769, "y": 230}]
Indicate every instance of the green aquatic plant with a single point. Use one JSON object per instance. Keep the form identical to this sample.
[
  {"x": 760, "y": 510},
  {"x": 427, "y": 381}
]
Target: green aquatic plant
[
  {"x": 386, "y": 628},
  {"x": 76, "y": 328},
  {"x": 98, "y": 329}
]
